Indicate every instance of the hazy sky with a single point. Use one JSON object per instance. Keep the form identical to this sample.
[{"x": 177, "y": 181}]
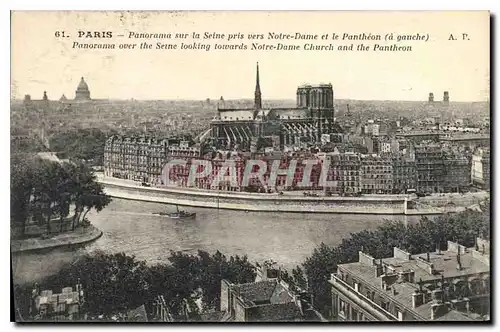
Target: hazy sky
[{"x": 42, "y": 62}]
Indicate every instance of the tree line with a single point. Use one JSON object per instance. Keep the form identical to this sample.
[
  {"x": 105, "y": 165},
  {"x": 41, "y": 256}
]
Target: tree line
[
  {"x": 116, "y": 283},
  {"x": 81, "y": 144},
  {"x": 42, "y": 190}
]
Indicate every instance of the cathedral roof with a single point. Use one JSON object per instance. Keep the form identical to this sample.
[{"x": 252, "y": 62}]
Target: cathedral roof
[{"x": 82, "y": 85}]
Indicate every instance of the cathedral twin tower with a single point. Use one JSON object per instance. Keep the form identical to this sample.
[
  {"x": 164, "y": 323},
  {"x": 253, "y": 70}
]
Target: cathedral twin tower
[{"x": 308, "y": 96}]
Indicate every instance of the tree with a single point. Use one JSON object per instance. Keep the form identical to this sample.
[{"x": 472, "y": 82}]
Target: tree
[
  {"x": 81, "y": 144},
  {"x": 116, "y": 283},
  {"x": 44, "y": 189},
  {"x": 205, "y": 272},
  {"x": 112, "y": 283},
  {"x": 94, "y": 198},
  {"x": 21, "y": 190},
  {"x": 64, "y": 185}
]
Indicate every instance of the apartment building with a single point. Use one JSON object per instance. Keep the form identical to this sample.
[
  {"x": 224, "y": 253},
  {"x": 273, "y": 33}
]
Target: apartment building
[{"x": 446, "y": 285}]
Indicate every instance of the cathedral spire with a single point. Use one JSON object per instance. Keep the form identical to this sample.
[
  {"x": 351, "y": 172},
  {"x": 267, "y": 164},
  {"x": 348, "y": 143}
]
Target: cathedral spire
[{"x": 258, "y": 98}]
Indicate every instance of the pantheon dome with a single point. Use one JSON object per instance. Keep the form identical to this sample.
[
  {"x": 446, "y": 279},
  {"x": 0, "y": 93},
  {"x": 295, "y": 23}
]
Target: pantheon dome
[{"x": 82, "y": 91}]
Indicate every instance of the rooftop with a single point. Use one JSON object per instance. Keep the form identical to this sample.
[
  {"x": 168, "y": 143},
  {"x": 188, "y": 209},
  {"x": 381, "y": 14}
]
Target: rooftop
[
  {"x": 138, "y": 314},
  {"x": 401, "y": 274},
  {"x": 262, "y": 292}
]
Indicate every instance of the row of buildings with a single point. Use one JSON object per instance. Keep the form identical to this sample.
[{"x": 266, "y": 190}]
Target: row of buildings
[
  {"x": 431, "y": 168},
  {"x": 449, "y": 285}
]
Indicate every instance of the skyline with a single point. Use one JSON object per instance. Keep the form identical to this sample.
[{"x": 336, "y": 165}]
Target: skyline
[
  {"x": 38, "y": 96},
  {"x": 41, "y": 62}
]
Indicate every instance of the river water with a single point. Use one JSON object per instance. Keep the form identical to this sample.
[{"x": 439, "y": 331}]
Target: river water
[{"x": 130, "y": 227}]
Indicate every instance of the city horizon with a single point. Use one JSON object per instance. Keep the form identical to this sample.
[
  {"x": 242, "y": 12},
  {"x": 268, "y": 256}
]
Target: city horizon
[
  {"x": 20, "y": 99},
  {"x": 273, "y": 98}
]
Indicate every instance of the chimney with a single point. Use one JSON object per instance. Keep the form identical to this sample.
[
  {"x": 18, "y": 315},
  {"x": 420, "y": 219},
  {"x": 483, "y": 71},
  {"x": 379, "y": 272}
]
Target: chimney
[
  {"x": 437, "y": 295},
  {"x": 459, "y": 262},
  {"x": 428, "y": 257},
  {"x": 401, "y": 254},
  {"x": 36, "y": 290},
  {"x": 379, "y": 270},
  {"x": 456, "y": 247},
  {"x": 437, "y": 310},
  {"x": 433, "y": 312},
  {"x": 411, "y": 276},
  {"x": 366, "y": 259},
  {"x": 431, "y": 97},
  {"x": 424, "y": 264},
  {"x": 417, "y": 299}
]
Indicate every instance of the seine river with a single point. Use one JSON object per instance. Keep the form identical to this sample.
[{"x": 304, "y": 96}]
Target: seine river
[{"x": 130, "y": 227}]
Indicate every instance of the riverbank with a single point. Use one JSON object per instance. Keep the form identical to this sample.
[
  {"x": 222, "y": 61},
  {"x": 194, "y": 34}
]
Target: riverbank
[
  {"x": 78, "y": 237},
  {"x": 289, "y": 202}
]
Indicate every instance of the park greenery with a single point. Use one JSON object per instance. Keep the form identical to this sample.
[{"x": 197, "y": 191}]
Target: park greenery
[
  {"x": 80, "y": 144},
  {"x": 43, "y": 190}
]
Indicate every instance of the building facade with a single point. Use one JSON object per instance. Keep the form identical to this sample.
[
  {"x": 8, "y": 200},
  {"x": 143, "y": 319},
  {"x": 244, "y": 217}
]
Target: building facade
[
  {"x": 404, "y": 171},
  {"x": 142, "y": 158},
  {"x": 430, "y": 167},
  {"x": 481, "y": 168},
  {"x": 457, "y": 172},
  {"x": 441, "y": 168},
  {"x": 446, "y": 285},
  {"x": 376, "y": 175},
  {"x": 344, "y": 171}
]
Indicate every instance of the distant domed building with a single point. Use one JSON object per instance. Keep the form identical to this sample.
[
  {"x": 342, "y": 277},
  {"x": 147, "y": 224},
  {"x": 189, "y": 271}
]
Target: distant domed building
[{"x": 82, "y": 91}]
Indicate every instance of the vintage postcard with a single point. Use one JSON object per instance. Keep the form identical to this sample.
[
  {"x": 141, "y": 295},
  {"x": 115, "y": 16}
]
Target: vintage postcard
[{"x": 231, "y": 166}]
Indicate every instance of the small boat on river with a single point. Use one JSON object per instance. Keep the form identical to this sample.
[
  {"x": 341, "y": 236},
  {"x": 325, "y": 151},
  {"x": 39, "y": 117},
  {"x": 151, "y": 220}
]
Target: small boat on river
[{"x": 179, "y": 214}]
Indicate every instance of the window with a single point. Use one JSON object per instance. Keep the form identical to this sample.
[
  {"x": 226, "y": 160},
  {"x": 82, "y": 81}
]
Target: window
[
  {"x": 356, "y": 287},
  {"x": 384, "y": 305},
  {"x": 354, "y": 315},
  {"x": 342, "y": 308},
  {"x": 400, "y": 316}
]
